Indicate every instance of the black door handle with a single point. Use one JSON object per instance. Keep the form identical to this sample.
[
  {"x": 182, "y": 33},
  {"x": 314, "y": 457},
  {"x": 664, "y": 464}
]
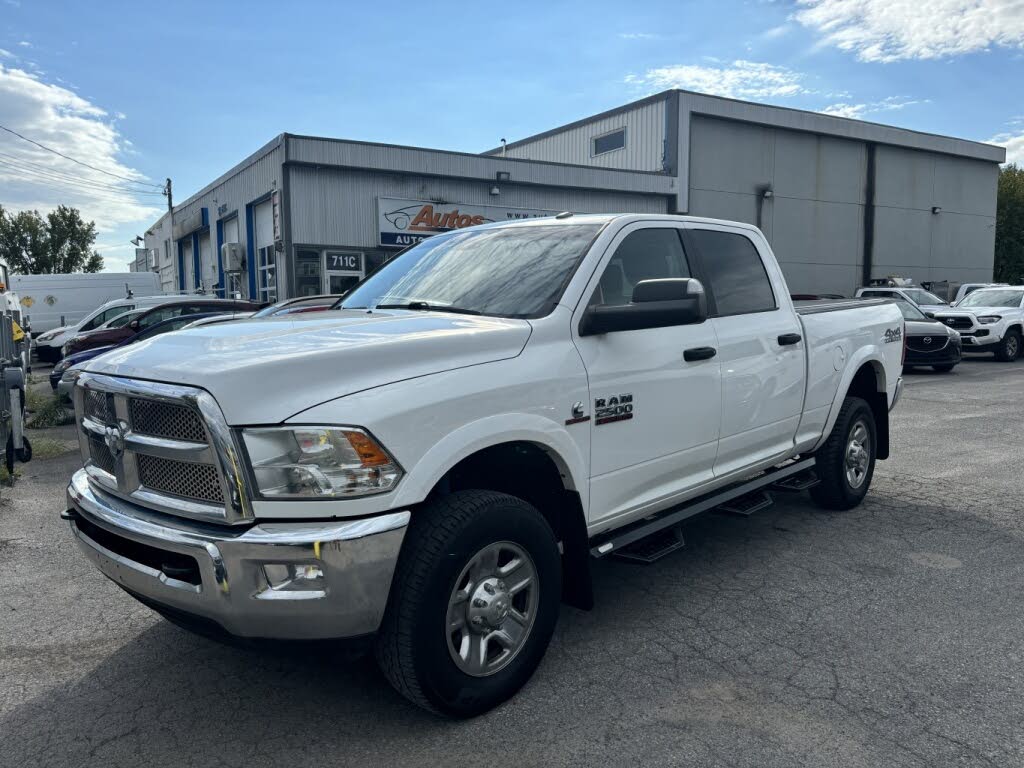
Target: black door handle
[
  {"x": 699, "y": 353},
  {"x": 789, "y": 338}
]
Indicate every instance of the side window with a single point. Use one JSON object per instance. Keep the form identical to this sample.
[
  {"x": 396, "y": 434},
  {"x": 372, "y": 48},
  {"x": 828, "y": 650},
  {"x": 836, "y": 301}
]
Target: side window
[
  {"x": 736, "y": 276},
  {"x": 647, "y": 254},
  {"x": 151, "y": 319}
]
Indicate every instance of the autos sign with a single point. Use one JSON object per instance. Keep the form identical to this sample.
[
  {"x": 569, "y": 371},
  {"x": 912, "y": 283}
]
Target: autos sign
[{"x": 407, "y": 222}]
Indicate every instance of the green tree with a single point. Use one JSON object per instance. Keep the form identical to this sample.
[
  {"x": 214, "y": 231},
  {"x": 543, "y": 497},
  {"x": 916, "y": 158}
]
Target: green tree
[
  {"x": 60, "y": 243},
  {"x": 1009, "y": 261}
]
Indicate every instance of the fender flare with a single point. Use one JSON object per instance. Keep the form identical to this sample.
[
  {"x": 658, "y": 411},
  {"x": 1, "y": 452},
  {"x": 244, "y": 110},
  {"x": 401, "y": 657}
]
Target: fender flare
[
  {"x": 488, "y": 432},
  {"x": 870, "y": 355}
]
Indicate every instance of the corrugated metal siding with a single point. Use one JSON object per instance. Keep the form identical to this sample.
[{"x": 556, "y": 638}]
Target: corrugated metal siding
[
  {"x": 339, "y": 207},
  {"x": 429, "y": 162},
  {"x": 645, "y": 136},
  {"x": 239, "y": 189}
]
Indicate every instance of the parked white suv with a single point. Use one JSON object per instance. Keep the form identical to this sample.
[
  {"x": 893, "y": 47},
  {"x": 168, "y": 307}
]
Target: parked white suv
[
  {"x": 436, "y": 462},
  {"x": 989, "y": 320},
  {"x": 924, "y": 300}
]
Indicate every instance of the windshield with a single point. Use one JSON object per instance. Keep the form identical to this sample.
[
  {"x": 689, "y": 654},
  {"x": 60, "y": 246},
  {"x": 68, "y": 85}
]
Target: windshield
[
  {"x": 517, "y": 271},
  {"x": 922, "y": 296},
  {"x": 910, "y": 312},
  {"x": 993, "y": 297}
]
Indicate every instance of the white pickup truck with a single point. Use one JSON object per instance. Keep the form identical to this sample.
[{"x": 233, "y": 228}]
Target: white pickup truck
[
  {"x": 434, "y": 464},
  {"x": 989, "y": 320}
]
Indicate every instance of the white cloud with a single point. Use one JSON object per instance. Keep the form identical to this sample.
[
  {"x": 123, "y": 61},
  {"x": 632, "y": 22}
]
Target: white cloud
[
  {"x": 860, "y": 111},
  {"x": 889, "y": 30},
  {"x": 4, "y": 53},
  {"x": 32, "y": 178},
  {"x": 739, "y": 79},
  {"x": 638, "y": 36},
  {"x": 1014, "y": 143},
  {"x": 24, "y": 43}
]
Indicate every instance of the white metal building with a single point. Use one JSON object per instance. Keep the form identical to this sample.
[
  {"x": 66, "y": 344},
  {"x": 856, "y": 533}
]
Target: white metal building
[{"x": 841, "y": 200}]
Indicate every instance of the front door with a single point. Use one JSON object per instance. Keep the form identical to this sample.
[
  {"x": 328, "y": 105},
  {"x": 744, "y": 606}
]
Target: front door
[
  {"x": 655, "y": 417},
  {"x": 759, "y": 347}
]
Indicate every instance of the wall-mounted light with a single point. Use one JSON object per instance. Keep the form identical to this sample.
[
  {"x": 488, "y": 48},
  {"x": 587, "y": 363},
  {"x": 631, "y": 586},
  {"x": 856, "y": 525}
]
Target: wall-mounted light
[
  {"x": 495, "y": 190},
  {"x": 936, "y": 209},
  {"x": 503, "y": 176},
  {"x": 767, "y": 194}
]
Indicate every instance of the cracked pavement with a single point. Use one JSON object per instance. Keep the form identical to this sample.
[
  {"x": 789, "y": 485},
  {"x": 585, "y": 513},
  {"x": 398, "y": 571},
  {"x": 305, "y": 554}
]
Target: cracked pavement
[{"x": 888, "y": 635}]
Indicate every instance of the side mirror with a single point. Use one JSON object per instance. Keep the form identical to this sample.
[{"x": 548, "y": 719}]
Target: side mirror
[
  {"x": 930, "y": 314},
  {"x": 134, "y": 325},
  {"x": 655, "y": 304}
]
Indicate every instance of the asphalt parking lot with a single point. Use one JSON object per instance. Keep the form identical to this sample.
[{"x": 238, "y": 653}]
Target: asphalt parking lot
[{"x": 889, "y": 635}]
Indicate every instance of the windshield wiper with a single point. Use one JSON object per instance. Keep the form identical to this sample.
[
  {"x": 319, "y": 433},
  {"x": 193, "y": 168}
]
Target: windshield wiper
[{"x": 424, "y": 306}]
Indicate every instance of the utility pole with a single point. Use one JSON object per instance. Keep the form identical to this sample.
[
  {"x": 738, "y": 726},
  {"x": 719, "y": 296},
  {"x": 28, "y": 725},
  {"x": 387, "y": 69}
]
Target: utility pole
[{"x": 167, "y": 192}]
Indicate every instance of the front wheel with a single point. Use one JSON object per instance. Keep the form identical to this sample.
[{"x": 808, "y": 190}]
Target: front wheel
[
  {"x": 1008, "y": 349},
  {"x": 473, "y": 603},
  {"x": 846, "y": 462}
]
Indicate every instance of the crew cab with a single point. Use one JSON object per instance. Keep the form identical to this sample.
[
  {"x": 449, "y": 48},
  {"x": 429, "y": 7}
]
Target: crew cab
[
  {"x": 434, "y": 464},
  {"x": 989, "y": 320}
]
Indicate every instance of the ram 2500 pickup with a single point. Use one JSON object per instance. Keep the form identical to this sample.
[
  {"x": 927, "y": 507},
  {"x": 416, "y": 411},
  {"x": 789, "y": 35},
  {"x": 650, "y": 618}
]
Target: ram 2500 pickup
[
  {"x": 434, "y": 464},
  {"x": 989, "y": 320}
]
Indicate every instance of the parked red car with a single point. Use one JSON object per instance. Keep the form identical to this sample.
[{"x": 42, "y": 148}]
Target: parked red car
[{"x": 109, "y": 336}]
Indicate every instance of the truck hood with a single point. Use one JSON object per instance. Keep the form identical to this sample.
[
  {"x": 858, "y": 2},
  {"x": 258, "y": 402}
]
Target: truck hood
[
  {"x": 263, "y": 371},
  {"x": 975, "y": 311}
]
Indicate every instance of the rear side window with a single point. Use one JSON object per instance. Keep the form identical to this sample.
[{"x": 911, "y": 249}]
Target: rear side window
[{"x": 736, "y": 277}]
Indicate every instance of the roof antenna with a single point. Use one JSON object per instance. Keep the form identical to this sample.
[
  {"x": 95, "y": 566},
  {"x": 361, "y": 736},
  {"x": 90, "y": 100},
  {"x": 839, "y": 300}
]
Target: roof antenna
[{"x": 503, "y": 143}]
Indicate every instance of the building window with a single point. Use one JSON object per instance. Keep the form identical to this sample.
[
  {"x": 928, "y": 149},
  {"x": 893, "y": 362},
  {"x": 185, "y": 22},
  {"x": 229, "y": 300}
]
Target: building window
[
  {"x": 608, "y": 142},
  {"x": 266, "y": 283}
]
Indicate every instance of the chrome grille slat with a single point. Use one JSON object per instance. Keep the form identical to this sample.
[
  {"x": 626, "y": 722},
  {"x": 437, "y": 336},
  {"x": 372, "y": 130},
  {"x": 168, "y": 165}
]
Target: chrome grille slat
[{"x": 101, "y": 455}]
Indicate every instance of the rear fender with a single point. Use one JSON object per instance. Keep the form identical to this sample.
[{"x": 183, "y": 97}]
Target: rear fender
[{"x": 877, "y": 396}]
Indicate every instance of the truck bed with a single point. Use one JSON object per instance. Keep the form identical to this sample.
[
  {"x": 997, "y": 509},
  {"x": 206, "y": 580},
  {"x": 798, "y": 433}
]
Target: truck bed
[{"x": 834, "y": 305}]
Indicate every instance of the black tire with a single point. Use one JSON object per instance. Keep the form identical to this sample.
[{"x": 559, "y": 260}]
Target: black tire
[
  {"x": 444, "y": 537},
  {"x": 945, "y": 367},
  {"x": 836, "y": 491},
  {"x": 1009, "y": 348}
]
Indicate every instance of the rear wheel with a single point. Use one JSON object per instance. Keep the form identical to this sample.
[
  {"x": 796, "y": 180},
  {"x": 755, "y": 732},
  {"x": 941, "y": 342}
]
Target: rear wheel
[
  {"x": 473, "y": 604},
  {"x": 846, "y": 462},
  {"x": 1009, "y": 348},
  {"x": 944, "y": 368}
]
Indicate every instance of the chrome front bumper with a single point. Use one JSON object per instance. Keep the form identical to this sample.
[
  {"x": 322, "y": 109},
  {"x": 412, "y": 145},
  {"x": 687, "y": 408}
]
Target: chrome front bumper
[{"x": 348, "y": 566}]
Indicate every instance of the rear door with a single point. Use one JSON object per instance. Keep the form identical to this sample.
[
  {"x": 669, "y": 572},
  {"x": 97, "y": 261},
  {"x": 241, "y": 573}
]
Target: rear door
[
  {"x": 655, "y": 416},
  {"x": 760, "y": 346}
]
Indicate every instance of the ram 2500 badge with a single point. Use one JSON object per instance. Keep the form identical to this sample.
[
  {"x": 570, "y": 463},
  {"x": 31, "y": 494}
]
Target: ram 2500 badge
[{"x": 434, "y": 464}]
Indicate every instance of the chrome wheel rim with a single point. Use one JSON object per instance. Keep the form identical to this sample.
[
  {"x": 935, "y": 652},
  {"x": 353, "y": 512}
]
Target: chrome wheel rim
[
  {"x": 492, "y": 609},
  {"x": 858, "y": 455},
  {"x": 1011, "y": 346}
]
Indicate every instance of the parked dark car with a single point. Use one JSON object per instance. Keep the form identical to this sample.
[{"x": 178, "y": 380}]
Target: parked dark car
[
  {"x": 929, "y": 342},
  {"x": 110, "y": 336},
  {"x": 164, "y": 326},
  {"x": 300, "y": 304}
]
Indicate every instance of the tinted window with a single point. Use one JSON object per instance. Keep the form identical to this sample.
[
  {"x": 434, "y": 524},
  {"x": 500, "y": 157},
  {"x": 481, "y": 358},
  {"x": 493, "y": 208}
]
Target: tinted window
[
  {"x": 736, "y": 277},
  {"x": 102, "y": 317},
  {"x": 610, "y": 142},
  {"x": 647, "y": 254},
  {"x": 157, "y": 315},
  {"x": 173, "y": 325}
]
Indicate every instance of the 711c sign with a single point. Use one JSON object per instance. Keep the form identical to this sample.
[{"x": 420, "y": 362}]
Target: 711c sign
[{"x": 348, "y": 261}]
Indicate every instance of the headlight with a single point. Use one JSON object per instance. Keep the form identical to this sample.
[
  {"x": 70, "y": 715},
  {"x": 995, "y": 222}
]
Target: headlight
[
  {"x": 71, "y": 375},
  {"x": 989, "y": 319},
  {"x": 62, "y": 366},
  {"x": 319, "y": 462}
]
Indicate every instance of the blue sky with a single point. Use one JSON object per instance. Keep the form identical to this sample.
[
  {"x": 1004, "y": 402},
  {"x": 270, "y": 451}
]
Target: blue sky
[{"x": 187, "y": 89}]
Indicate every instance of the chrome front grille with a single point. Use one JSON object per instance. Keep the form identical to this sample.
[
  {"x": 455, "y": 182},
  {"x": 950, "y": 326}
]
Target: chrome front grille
[
  {"x": 162, "y": 446},
  {"x": 186, "y": 479}
]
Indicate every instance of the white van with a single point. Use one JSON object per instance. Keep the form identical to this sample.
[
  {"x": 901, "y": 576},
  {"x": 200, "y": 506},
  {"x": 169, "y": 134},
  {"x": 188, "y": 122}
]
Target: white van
[
  {"x": 48, "y": 345},
  {"x": 52, "y": 301}
]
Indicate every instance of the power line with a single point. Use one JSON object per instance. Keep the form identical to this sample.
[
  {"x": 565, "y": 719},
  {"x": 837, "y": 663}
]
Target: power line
[
  {"x": 25, "y": 166},
  {"x": 35, "y": 177},
  {"x": 66, "y": 187},
  {"x": 79, "y": 162}
]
